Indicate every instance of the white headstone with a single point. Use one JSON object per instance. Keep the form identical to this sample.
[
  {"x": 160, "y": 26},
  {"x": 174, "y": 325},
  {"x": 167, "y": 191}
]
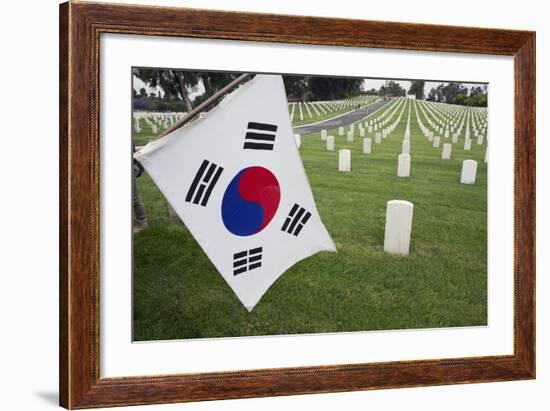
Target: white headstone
[
  {"x": 370, "y": 129},
  {"x": 340, "y": 131},
  {"x": 350, "y": 136},
  {"x": 436, "y": 141},
  {"x": 397, "y": 235},
  {"x": 330, "y": 143},
  {"x": 378, "y": 138},
  {"x": 344, "y": 160},
  {"x": 154, "y": 129},
  {"x": 406, "y": 147},
  {"x": 480, "y": 139},
  {"x": 485, "y": 159},
  {"x": 323, "y": 135},
  {"x": 455, "y": 138},
  {"x": 404, "y": 165},
  {"x": 467, "y": 144},
  {"x": 362, "y": 132},
  {"x": 298, "y": 140},
  {"x": 469, "y": 170},
  {"x": 367, "y": 145},
  {"x": 446, "y": 153}
]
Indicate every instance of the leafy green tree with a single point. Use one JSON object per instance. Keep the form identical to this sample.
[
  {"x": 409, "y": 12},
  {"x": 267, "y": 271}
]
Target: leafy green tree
[
  {"x": 417, "y": 89},
  {"x": 174, "y": 83},
  {"x": 392, "y": 89},
  {"x": 295, "y": 86}
]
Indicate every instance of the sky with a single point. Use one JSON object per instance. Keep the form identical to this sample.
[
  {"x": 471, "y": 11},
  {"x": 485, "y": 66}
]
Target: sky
[{"x": 367, "y": 85}]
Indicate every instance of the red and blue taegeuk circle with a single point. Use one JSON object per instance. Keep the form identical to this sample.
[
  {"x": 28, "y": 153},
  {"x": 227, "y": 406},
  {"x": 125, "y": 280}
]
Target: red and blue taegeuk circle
[{"x": 250, "y": 201}]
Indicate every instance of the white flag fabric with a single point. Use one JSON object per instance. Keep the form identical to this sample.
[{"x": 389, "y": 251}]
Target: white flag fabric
[{"x": 235, "y": 178}]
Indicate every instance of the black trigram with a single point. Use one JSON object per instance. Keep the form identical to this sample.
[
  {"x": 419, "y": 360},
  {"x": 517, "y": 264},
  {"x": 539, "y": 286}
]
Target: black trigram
[
  {"x": 296, "y": 220},
  {"x": 259, "y": 136},
  {"x": 203, "y": 183},
  {"x": 247, "y": 260}
]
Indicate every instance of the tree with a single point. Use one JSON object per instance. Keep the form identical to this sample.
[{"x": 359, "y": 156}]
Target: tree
[
  {"x": 392, "y": 89},
  {"x": 307, "y": 88},
  {"x": 417, "y": 89},
  {"x": 334, "y": 88},
  {"x": 142, "y": 92},
  {"x": 432, "y": 95},
  {"x": 295, "y": 86},
  {"x": 458, "y": 93},
  {"x": 174, "y": 83},
  {"x": 214, "y": 81}
]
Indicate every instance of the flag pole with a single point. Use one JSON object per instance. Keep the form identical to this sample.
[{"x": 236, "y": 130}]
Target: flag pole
[{"x": 210, "y": 100}]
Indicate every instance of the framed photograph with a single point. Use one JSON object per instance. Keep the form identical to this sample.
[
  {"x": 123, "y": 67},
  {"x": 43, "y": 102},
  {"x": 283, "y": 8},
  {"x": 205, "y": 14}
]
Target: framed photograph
[{"x": 257, "y": 205}]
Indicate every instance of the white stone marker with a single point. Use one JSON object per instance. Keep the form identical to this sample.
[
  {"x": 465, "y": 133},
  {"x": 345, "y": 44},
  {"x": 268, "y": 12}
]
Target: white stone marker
[
  {"x": 378, "y": 138},
  {"x": 367, "y": 145},
  {"x": 446, "y": 153},
  {"x": 480, "y": 139},
  {"x": 323, "y": 135},
  {"x": 330, "y": 143},
  {"x": 436, "y": 141},
  {"x": 350, "y": 136},
  {"x": 455, "y": 138},
  {"x": 370, "y": 129},
  {"x": 467, "y": 144},
  {"x": 397, "y": 236},
  {"x": 485, "y": 159},
  {"x": 469, "y": 170},
  {"x": 406, "y": 147},
  {"x": 404, "y": 165},
  {"x": 340, "y": 131},
  {"x": 154, "y": 129},
  {"x": 344, "y": 160},
  {"x": 298, "y": 140},
  {"x": 361, "y": 132}
]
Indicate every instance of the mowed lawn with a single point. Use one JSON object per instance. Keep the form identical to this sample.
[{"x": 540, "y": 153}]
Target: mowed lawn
[{"x": 442, "y": 283}]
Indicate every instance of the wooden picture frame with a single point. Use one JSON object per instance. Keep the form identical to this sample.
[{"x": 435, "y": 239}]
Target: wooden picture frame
[{"x": 80, "y": 27}]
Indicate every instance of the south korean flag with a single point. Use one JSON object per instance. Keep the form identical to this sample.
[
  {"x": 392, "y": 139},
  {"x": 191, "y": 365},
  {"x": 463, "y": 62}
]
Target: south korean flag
[{"x": 236, "y": 180}]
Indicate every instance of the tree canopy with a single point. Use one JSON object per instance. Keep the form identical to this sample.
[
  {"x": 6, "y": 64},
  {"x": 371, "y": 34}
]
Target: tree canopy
[
  {"x": 458, "y": 93},
  {"x": 392, "y": 89},
  {"x": 177, "y": 84},
  {"x": 308, "y": 88},
  {"x": 417, "y": 89}
]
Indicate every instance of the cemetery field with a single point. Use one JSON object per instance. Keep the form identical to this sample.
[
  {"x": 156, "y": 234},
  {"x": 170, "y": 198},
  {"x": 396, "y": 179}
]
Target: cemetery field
[
  {"x": 330, "y": 111},
  {"x": 442, "y": 282}
]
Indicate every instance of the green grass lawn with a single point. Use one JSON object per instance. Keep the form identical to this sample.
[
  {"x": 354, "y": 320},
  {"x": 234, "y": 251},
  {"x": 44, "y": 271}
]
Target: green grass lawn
[{"x": 442, "y": 283}]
